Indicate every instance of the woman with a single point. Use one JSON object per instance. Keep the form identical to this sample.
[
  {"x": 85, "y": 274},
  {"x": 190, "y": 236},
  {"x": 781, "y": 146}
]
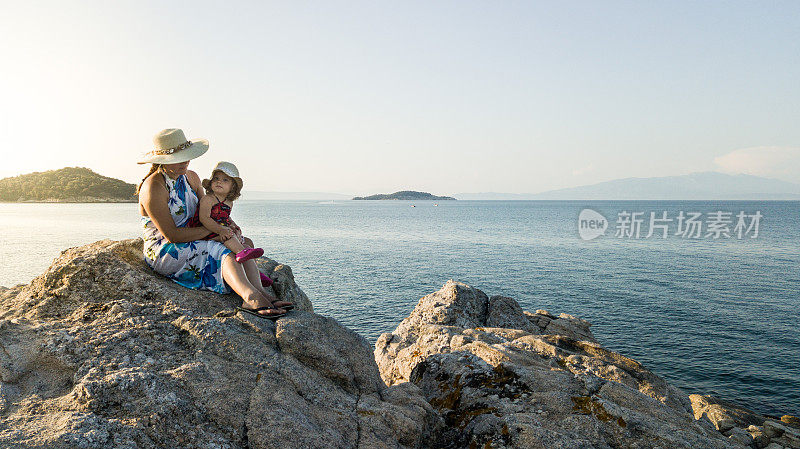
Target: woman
[{"x": 168, "y": 198}]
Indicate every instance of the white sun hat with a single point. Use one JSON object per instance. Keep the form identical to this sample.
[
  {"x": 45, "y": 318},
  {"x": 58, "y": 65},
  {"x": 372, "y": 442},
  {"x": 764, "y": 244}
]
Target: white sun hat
[
  {"x": 172, "y": 147},
  {"x": 227, "y": 168}
]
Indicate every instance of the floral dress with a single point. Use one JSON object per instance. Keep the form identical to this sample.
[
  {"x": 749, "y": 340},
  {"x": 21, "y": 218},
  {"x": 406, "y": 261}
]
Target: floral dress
[{"x": 196, "y": 265}]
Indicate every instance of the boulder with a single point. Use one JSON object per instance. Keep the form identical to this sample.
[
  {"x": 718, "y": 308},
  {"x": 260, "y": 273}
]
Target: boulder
[
  {"x": 101, "y": 352},
  {"x": 760, "y": 439},
  {"x": 443, "y": 315},
  {"x": 782, "y": 433},
  {"x": 736, "y": 421},
  {"x": 738, "y": 435},
  {"x": 791, "y": 421},
  {"x": 502, "y": 377},
  {"x": 723, "y": 414}
]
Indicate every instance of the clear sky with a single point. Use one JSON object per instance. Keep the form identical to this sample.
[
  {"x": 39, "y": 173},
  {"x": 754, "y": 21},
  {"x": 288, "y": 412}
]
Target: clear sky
[{"x": 377, "y": 96}]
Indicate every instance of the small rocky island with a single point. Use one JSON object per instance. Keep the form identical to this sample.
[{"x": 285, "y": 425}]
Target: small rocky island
[
  {"x": 66, "y": 185},
  {"x": 406, "y": 195},
  {"x": 100, "y": 352}
]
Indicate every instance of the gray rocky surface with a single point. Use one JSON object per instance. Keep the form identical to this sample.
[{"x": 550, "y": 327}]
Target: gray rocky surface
[
  {"x": 738, "y": 422},
  {"x": 504, "y": 378},
  {"x": 100, "y": 352}
]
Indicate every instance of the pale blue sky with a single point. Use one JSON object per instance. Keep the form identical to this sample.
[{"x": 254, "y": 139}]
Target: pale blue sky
[{"x": 446, "y": 97}]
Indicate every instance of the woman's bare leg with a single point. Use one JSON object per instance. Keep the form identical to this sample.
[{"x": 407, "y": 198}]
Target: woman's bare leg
[
  {"x": 255, "y": 278},
  {"x": 251, "y": 270},
  {"x": 234, "y": 274}
]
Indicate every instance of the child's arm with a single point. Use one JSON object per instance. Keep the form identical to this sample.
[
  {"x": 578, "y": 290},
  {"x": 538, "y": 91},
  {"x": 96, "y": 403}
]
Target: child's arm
[
  {"x": 237, "y": 231},
  {"x": 234, "y": 227},
  {"x": 205, "y": 205}
]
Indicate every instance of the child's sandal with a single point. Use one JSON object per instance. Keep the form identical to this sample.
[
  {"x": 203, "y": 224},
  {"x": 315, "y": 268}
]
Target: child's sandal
[{"x": 249, "y": 253}]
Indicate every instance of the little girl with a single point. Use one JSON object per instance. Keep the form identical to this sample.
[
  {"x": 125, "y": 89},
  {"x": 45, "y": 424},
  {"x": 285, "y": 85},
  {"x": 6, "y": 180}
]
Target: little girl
[{"x": 214, "y": 211}]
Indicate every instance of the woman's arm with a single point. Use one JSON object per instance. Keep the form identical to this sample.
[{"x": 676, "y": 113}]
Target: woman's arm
[
  {"x": 194, "y": 183},
  {"x": 154, "y": 197}
]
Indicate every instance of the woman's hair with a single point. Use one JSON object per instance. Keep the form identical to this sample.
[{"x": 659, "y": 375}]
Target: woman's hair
[
  {"x": 235, "y": 192},
  {"x": 153, "y": 168}
]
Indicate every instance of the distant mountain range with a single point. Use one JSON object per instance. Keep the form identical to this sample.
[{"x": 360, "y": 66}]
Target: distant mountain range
[
  {"x": 694, "y": 186},
  {"x": 66, "y": 185}
]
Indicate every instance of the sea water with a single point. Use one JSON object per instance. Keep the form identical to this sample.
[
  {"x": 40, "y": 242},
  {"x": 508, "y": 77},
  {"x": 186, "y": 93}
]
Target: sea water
[{"x": 716, "y": 316}]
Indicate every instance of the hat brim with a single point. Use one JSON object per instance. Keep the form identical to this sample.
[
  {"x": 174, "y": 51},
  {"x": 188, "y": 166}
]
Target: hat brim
[
  {"x": 197, "y": 149},
  {"x": 206, "y": 183}
]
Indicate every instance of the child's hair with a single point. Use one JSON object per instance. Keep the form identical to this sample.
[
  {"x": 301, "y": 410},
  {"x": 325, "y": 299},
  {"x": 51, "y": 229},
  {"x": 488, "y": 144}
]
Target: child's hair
[
  {"x": 153, "y": 168},
  {"x": 235, "y": 192}
]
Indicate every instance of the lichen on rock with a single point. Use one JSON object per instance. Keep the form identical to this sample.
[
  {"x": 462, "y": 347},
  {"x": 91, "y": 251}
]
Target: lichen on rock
[{"x": 503, "y": 377}]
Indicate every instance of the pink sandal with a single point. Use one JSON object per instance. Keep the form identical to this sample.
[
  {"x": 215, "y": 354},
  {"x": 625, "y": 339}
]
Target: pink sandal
[
  {"x": 265, "y": 280},
  {"x": 249, "y": 253}
]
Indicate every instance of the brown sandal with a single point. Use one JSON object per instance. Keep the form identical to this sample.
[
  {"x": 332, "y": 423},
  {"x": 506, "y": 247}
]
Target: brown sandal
[
  {"x": 256, "y": 312},
  {"x": 289, "y": 306}
]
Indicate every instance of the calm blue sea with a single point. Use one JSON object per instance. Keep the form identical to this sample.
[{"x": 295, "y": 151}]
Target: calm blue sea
[{"x": 713, "y": 316}]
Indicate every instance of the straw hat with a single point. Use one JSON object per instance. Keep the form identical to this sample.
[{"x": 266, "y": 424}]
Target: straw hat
[
  {"x": 173, "y": 148},
  {"x": 227, "y": 168}
]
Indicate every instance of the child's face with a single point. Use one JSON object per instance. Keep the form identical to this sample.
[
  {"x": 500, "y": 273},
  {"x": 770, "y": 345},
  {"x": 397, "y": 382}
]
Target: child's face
[{"x": 221, "y": 183}]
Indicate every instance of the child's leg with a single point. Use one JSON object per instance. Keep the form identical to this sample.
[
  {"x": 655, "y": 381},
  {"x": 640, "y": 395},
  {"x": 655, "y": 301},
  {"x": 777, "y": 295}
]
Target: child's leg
[
  {"x": 234, "y": 245},
  {"x": 242, "y": 252},
  {"x": 265, "y": 280}
]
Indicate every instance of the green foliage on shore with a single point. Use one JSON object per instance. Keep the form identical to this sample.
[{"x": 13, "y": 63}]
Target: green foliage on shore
[
  {"x": 70, "y": 184},
  {"x": 405, "y": 195}
]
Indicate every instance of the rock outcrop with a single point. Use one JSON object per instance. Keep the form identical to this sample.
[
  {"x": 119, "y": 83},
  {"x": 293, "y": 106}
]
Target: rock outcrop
[
  {"x": 501, "y": 377},
  {"x": 100, "y": 352},
  {"x": 747, "y": 426}
]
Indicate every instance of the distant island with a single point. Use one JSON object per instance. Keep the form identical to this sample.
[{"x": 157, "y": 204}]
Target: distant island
[
  {"x": 405, "y": 195},
  {"x": 66, "y": 185}
]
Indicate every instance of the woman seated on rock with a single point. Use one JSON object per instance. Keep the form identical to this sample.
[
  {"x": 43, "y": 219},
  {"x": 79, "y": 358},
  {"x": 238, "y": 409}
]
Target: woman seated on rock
[{"x": 168, "y": 199}]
